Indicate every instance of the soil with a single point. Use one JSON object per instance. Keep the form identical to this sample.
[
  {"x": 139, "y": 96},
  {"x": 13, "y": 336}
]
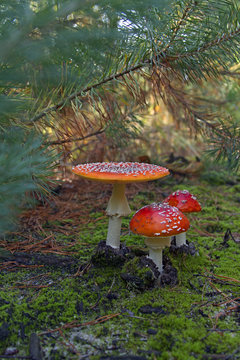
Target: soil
[{"x": 188, "y": 249}]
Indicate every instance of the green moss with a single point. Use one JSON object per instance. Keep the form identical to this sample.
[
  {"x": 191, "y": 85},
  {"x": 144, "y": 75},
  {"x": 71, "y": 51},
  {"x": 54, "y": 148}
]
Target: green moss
[{"x": 184, "y": 318}]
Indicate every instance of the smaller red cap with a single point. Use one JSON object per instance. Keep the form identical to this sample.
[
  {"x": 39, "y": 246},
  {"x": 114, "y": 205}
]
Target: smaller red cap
[
  {"x": 184, "y": 201},
  {"x": 158, "y": 220}
]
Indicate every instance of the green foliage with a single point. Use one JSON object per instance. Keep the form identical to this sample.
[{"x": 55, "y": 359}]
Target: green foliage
[
  {"x": 63, "y": 46},
  {"x": 206, "y": 37},
  {"x": 225, "y": 141},
  {"x": 225, "y": 145},
  {"x": 54, "y": 50},
  {"x": 121, "y": 131},
  {"x": 25, "y": 165}
]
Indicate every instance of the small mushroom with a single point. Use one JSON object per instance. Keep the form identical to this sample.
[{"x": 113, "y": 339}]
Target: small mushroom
[
  {"x": 186, "y": 203},
  {"x": 158, "y": 222},
  {"x": 119, "y": 174}
]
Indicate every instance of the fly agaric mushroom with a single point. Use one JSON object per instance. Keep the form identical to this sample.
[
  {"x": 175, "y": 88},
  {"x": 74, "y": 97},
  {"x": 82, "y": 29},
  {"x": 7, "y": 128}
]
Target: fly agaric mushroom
[
  {"x": 119, "y": 174},
  {"x": 186, "y": 203},
  {"x": 158, "y": 222}
]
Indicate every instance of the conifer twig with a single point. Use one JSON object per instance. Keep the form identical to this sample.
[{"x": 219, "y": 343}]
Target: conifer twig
[
  {"x": 60, "y": 142},
  {"x": 87, "y": 89},
  {"x": 179, "y": 24},
  {"x": 211, "y": 44}
]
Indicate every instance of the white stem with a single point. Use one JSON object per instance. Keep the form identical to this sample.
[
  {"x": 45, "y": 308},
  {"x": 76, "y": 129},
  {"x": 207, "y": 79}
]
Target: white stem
[
  {"x": 181, "y": 239},
  {"x": 114, "y": 231},
  {"x": 118, "y": 204},
  {"x": 156, "y": 256},
  {"x": 117, "y": 207},
  {"x": 156, "y": 245}
]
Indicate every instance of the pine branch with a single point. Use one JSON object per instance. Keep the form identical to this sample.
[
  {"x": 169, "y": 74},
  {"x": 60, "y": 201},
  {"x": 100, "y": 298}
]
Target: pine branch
[
  {"x": 233, "y": 74},
  {"x": 166, "y": 60},
  {"x": 61, "y": 142},
  {"x": 87, "y": 89},
  {"x": 225, "y": 144},
  {"x": 179, "y": 103},
  {"x": 205, "y": 47},
  {"x": 185, "y": 14}
]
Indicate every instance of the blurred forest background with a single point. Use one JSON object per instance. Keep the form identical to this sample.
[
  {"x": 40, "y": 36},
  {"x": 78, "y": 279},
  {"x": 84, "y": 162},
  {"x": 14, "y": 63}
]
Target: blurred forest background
[{"x": 87, "y": 81}]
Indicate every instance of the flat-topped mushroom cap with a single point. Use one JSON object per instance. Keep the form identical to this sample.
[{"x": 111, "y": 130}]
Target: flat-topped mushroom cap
[
  {"x": 126, "y": 172},
  {"x": 184, "y": 201},
  {"x": 158, "y": 220}
]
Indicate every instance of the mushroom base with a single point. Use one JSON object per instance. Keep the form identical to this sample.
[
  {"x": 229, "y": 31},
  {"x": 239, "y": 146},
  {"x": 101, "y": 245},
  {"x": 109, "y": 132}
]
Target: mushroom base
[{"x": 108, "y": 256}]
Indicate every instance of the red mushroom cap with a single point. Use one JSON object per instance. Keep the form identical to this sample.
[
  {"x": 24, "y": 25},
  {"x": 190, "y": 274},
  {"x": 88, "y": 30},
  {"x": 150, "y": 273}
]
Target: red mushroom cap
[
  {"x": 158, "y": 220},
  {"x": 184, "y": 201},
  {"x": 126, "y": 172}
]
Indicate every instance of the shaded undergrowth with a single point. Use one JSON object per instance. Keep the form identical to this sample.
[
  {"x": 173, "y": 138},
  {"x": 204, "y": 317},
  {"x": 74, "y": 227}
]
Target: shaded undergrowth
[{"x": 84, "y": 311}]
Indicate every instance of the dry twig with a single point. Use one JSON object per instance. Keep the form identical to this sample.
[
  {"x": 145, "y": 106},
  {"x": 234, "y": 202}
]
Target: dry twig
[{"x": 74, "y": 323}]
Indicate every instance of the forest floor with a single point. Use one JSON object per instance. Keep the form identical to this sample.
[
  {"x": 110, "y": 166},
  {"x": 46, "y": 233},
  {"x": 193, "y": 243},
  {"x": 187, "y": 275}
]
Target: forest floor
[{"x": 60, "y": 301}]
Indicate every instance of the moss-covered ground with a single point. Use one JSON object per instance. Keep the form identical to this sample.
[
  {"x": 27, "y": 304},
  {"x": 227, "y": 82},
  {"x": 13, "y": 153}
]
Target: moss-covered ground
[{"x": 83, "y": 311}]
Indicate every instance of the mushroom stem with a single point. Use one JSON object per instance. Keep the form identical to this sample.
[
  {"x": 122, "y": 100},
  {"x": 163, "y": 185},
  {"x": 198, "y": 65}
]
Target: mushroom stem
[
  {"x": 114, "y": 231},
  {"x": 117, "y": 207},
  {"x": 118, "y": 204},
  {"x": 156, "y": 246},
  {"x": 181, "y": 239}
]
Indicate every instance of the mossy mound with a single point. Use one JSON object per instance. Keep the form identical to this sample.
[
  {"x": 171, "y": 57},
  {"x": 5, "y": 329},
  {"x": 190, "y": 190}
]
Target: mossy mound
[
  {"x": 189, "y": 248},
  {"x": 140, "y": 273},
  {"x": 105, "y": 255}
]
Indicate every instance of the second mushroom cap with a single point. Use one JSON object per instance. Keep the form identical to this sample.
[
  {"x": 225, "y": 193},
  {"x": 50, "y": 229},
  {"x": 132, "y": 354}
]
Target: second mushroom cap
[
  {"x": 158, "y": 220},
  {"x": 184, "y": 201}
]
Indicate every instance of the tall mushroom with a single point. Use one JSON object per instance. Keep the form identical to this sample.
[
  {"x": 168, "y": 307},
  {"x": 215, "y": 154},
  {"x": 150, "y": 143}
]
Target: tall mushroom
[
  {"x": 119, "y": 174},
  {"x": 158, "y": 222},
  {"x": 186, "y": 203}
]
